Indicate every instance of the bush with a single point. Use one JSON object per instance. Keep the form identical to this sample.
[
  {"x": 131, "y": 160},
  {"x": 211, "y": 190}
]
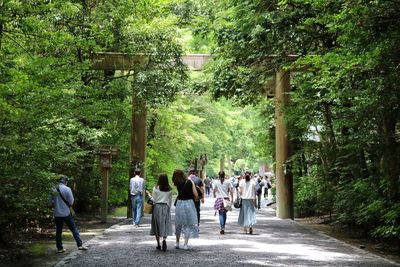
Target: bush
[{"x": 306, "y": 195}]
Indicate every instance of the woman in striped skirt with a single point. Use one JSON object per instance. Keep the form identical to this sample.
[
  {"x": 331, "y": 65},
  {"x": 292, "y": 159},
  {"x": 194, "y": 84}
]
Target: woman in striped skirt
[{"x": 161, "y": 217}]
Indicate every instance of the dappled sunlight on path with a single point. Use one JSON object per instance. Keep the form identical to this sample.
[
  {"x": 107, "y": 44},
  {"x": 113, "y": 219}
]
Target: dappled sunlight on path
[{"x": 275, "y": 242}]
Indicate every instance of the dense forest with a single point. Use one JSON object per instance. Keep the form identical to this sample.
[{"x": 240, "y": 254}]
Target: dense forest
[{"x": 343, "y": 119}]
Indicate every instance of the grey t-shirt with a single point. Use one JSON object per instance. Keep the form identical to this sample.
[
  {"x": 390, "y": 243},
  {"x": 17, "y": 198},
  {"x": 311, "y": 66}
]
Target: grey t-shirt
[{"x": 207, "y": 182}]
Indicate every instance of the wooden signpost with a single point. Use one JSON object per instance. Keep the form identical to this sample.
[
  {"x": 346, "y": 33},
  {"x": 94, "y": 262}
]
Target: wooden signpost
[{"x": 106, "y": 153}]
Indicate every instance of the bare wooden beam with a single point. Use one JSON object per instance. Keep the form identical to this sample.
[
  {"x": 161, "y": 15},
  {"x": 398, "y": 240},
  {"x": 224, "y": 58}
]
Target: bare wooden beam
[
  {"x": 196, "y": 61},
  {"x": 116, "y": 61},
  {"x": 121, "y": 61}
]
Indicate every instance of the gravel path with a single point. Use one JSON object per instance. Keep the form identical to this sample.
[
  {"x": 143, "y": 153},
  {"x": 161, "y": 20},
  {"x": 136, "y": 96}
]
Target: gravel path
[{"x": 275, "y": 242}]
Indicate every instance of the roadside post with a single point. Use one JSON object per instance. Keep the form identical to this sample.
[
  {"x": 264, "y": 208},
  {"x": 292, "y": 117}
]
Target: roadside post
[{"x": 106, "y": 154}]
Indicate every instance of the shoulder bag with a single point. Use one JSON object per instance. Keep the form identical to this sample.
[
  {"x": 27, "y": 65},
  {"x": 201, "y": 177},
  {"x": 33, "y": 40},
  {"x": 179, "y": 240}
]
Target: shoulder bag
[
  {"x": 238, "y": 201},
  {"x": 148, "y": 205},
  {"x": 65, "y": 201},
  {"x": 227, "y": 202}
]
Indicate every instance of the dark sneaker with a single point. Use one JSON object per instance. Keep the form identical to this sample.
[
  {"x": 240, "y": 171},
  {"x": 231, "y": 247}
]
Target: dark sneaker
[
  {"x": 251, "y": 231},
  {"x": 158, "y": 247},
  {"x": 222, "y": 231},
  {"x": 164, "y": 245}
]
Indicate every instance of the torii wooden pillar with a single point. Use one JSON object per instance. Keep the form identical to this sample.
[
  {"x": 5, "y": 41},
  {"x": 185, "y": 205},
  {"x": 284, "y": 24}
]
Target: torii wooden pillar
[
  {"x": 284, "y": 178},
  {"x": 137, "y": 156}
]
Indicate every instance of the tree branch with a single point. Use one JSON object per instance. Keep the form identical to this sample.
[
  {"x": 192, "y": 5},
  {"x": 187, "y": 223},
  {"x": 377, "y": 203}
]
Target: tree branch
[{"x": 23, "y": 48}]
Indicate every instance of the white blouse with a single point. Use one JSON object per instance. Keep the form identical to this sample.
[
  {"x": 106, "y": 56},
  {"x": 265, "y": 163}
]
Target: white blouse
[
  {"x": 225, "y": 188},
  {"x": 248, "y": 189},
  {"x": 161, "y": 196}
]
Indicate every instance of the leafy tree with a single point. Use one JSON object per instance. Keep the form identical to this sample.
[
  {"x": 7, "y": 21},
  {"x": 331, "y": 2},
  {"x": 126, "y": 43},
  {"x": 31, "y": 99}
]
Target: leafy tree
[
  {"x": 55, "y": 111},
  {"x": 348, "y": 87}
]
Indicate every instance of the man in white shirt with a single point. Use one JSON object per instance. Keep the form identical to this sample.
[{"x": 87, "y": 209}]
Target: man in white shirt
[{"x": 137, "y": 190}]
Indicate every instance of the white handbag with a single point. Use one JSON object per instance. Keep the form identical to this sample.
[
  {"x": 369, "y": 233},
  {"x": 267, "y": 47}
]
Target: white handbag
[
  {"x": 227, "y": 202},
  {"x": 227, "y": 205}
]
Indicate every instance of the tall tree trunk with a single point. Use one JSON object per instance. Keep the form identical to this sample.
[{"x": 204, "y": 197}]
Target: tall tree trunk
[{"x": 390, "y": 156}]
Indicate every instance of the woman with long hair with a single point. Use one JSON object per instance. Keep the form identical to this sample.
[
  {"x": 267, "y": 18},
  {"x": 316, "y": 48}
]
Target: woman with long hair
[
  {"x": 161, "y": 217},
  {"x": 247, "y": 214},
  {"x": 222, "y": 190},
  {"x": 185, "y": 212}
]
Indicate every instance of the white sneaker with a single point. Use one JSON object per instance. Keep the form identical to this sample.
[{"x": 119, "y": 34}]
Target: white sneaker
[
  {"x": 61, "y": 250},
  {"x": 82, "y": 248},
  {"x": 186, "y": 247}
]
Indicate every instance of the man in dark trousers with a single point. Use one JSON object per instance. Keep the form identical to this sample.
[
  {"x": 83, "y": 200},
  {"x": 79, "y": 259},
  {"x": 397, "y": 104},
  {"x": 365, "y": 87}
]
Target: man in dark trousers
[
  {"x": 62, "y": 200},
  {"x": 259, "y": 186},
  {"x": 200, "y": 190}
]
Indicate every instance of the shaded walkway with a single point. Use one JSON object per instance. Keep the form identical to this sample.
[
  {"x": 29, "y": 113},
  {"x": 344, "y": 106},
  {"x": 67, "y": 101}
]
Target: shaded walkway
[{"x": 276, "y": 242}]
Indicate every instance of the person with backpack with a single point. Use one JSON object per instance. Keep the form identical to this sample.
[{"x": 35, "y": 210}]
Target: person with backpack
[
  {"x": 200, "y": 191},
  {"x": 259, "y": 186},
  {"x": 267, "y": 186},
  {"x": 61, "y": 200}
]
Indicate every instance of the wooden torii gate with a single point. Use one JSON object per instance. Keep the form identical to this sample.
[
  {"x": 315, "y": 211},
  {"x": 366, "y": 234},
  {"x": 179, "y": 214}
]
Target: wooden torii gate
[{"x": 109, "y": 61}]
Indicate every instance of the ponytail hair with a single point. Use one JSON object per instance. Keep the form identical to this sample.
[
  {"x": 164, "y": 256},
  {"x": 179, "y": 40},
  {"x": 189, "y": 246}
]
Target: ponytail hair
[
  {"x": 221, "y": 175},
  {"x": 247, "y": 176}
]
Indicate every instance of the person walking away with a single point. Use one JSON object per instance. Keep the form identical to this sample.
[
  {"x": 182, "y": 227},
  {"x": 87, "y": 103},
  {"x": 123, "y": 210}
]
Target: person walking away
[
  {"x": 137, "y": 190},
  {"x": 186, "y": 222},
  {"x": 200, "y": 191},
  {"x": 259, "y": 186},
  {"x": 247, "y": 214},
  {"x": 207, "y": 183},
  {"x": 265, "y": 189},
  {"x": 161, "y": 216},
  {"x": 62, "y": 200},
  {"x": 222, "y": 190},
  {"x": 268, "y": 186}
]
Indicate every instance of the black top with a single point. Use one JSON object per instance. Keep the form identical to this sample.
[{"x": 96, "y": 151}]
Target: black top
[{"x": 185, "y": 191}]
